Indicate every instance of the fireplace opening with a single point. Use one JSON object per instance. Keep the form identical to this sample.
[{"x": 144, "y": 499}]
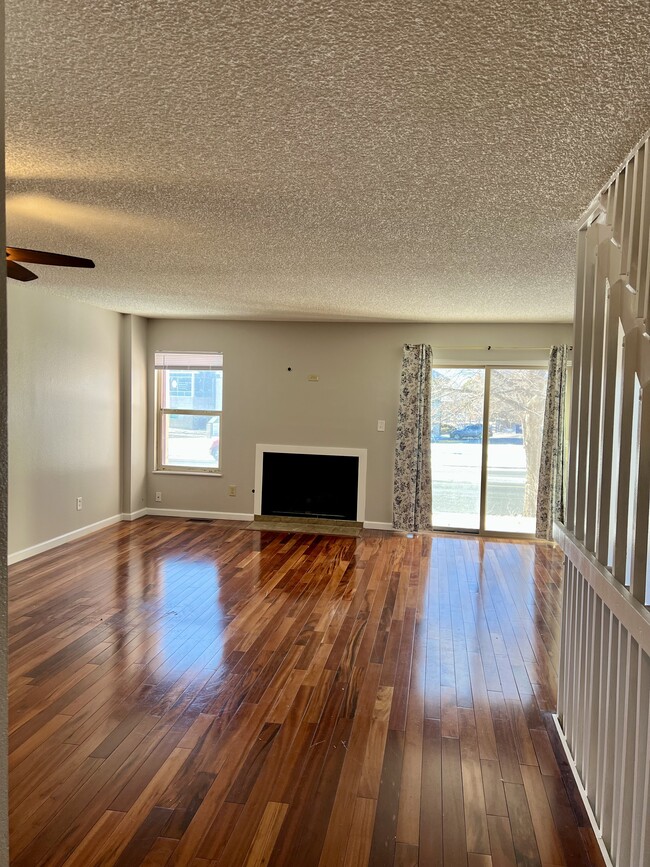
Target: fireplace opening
[{"x": 310, "y": 485}]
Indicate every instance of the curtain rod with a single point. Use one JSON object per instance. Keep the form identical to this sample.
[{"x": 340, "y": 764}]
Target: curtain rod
[{"x": 499, "y": 348}]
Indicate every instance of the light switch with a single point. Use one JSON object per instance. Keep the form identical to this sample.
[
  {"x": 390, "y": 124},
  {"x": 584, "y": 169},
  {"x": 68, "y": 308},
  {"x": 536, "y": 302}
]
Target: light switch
[{"x": 381, "y": 424}]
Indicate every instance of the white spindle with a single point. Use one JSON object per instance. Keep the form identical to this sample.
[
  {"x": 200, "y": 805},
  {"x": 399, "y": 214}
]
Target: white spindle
[
  {"x": 563, "y": 681},
  {"x": 624, "y": 803},
  {"x": 594, "y": 457},
  {"x": 626, "y": 224},
  {"x": 610, "y": 354},
  {"x": 575, "y": 399},
  {"x": 640, "y": 827},
  {"x": 584, "y": 376},
  {"x": 627, "y": 419},
  {"x": 639, "y": 270},
  {"x": 609, "y": 745},
  {"x": 617, "y": 225},
  {"x": 597, "y": 696},
  {"x": 603, "y": 711},
  {"x": 591, "y": 684},
  {"x": 641, "y": 515},
  {"x": 578, "y": 692},
  {"x": 631, "y": 247}
]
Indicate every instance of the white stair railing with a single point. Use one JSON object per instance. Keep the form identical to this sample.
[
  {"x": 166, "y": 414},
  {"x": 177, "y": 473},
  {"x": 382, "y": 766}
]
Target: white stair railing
[{"x": 604, "y": 684}]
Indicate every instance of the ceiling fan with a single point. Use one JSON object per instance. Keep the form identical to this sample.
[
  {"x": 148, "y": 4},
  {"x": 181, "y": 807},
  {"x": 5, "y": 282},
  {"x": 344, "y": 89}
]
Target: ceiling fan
[{"x": 39, "y": 257}]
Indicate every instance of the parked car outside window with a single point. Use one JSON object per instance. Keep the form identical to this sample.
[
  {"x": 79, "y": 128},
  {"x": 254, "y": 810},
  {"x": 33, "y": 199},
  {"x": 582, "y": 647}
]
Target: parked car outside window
[{"x": 467, "y": 432}]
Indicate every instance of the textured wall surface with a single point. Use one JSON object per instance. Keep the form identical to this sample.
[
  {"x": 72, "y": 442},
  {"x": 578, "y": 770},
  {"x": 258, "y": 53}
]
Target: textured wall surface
[
  {"x": 359, "y": 372},
  {"x": 64, "y": 415},
  {"x": 378, "y": 160}
]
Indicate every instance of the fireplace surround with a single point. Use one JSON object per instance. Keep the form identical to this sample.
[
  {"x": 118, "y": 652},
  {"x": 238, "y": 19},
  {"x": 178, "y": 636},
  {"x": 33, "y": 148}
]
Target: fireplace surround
[{"x": 310, "y": 482}]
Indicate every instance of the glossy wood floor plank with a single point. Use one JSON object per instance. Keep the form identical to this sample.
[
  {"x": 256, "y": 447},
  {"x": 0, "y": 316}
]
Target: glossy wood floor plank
[{"x": 197, "y": 693}]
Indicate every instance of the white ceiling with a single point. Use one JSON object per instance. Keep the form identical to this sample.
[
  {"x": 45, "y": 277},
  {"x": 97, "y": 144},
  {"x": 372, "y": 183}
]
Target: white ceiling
[{"x": 372, "y": 160}]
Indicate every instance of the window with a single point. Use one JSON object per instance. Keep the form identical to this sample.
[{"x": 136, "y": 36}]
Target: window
[{"x": 189, "y": 388}]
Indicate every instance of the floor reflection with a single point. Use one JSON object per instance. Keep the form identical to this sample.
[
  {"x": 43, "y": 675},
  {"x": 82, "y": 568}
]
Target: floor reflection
[
  {"x": 243, "y": 655},
  {"x": 192, "y": 619}
]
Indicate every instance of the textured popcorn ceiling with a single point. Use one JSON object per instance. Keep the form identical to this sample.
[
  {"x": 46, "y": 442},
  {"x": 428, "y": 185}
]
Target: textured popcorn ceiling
[{"x": 319, "y": 160}]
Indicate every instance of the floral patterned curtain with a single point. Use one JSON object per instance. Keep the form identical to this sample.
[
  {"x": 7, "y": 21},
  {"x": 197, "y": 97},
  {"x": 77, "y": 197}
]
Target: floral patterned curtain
[
  {"x": 412, "y": 483},
  {"x": 550, "y": 490}
]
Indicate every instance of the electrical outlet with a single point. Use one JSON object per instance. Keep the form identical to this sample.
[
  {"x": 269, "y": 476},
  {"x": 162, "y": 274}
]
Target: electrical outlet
[
  {"x": 80, "y": 504},
  {"x": 232, "y": 490},
  {"x": 381, "y": 424},
  {"x": 159, "y": 496}
]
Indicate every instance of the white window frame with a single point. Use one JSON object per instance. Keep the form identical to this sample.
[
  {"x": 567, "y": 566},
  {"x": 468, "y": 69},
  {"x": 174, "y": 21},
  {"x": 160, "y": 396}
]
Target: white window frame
[{"x": 190, "y": 362}]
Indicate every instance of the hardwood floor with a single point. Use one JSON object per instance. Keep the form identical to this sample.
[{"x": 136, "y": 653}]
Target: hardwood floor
[{"x": 195, "y": 693}]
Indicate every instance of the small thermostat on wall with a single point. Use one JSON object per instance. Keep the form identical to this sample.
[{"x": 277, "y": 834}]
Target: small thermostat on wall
[{"x": 313, "y": 377}]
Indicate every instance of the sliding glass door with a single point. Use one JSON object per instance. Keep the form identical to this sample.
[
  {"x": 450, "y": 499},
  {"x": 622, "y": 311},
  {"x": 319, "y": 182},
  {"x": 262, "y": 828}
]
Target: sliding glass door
[
  {"x": 516, "y": 411},
  {"x": 457, "y": 397},
  {"x": 486, "y": 432}
]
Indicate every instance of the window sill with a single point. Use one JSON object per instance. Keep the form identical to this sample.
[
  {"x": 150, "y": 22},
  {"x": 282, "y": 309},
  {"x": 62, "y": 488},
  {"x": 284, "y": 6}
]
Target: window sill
[{"x": 186, "y": 473}]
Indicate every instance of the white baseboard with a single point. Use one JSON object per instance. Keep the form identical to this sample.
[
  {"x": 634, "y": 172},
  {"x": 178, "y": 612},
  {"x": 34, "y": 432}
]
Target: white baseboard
[
  {"x": 133, "y": 516},
  {"x": 17, "y": 556},
  {"x": 583, "y": 793},
  {"x": 211, "y": 516}
]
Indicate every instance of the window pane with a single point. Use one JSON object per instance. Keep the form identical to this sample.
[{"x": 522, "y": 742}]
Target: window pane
[
  {"x": 456, "y": 438},
  {"x": 190, "y": 441},
  {"x": 192, "y": 389},
  {"x": 517, "y": 399}
]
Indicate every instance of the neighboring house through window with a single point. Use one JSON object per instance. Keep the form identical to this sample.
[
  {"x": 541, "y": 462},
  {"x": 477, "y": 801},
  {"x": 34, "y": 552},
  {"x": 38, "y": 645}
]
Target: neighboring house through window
[{"x": 189, "y": 390}]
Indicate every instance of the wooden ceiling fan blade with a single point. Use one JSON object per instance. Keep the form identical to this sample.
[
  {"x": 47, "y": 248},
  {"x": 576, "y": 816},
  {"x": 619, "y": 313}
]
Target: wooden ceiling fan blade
[
  {"x": 41, "y": 257},
  {"x": 17, "y": 272}
]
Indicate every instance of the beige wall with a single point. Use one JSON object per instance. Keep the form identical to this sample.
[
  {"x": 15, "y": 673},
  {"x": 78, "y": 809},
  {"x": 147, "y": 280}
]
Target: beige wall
[
  {"x": 64, "y": 415},
  {"x": 139, "y": 414},
  {"x": 81, "y": 395},
  {"x": 358, "y": 367},
  {"x": 134, "y": 413}
]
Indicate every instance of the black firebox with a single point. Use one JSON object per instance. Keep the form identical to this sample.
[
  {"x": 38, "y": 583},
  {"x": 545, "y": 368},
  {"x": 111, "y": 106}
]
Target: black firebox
[{"x": 310, "y": 486}]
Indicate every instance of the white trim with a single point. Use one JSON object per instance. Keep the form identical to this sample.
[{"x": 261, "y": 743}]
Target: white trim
[
  {"x": 583, "y": 793},
  {"x": 362, "y": 454},
  {"x": 209, "y": 473},
  {"x": 17, "y": 556},
  {"x": 379, "y": 525},
  {"x": 190, "y": 513},
  {"x": 174, "y": 360},
  {"x": 596, "y": 202},
  {"x": 133, "y": 516},
  {"x": 634, "y": 616}
]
